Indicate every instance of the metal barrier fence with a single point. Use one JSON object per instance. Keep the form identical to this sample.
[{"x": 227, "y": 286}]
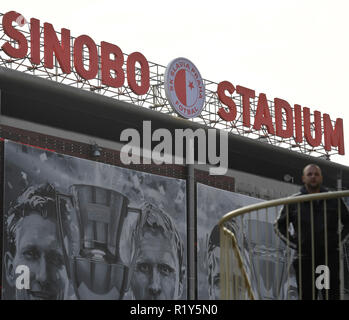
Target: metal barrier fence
[{"x": 290, "y": 248}]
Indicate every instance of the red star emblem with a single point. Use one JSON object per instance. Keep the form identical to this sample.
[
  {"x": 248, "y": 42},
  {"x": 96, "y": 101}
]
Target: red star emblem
[{"x": 191, "y": 86}]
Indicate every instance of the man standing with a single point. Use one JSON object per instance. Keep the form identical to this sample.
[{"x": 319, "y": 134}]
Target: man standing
[
  {"x": 158, "y": 260},
  {"x": 33, "y": 243},
  {"x": 316, "y": 231}
]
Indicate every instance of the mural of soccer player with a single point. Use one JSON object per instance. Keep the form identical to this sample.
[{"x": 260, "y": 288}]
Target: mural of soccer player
[
  {"x": 33, "y": 242},
  {"x": 93, "y": 234},
  {"x": 213, "y": 266},
  {"x": 159, "y": 271}
]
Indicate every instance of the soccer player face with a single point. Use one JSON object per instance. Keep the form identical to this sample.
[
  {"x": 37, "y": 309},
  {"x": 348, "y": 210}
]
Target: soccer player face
[
  {"x": 38, "y": 248},
  {"x": 156, "y": 274}
]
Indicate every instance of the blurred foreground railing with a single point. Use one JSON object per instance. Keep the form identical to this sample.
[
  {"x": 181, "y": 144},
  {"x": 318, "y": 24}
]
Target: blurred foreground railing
[{"x": 258, "y": 263}]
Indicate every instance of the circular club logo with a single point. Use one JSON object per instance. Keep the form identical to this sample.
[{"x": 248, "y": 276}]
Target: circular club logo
[{"x": 184, "y": 88}]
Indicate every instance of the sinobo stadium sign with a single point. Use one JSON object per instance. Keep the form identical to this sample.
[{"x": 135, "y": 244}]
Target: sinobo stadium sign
[{"x": 184, "y": 86}]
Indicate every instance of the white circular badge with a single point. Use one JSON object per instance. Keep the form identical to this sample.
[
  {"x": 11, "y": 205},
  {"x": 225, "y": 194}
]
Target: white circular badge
[{"x": 184, "y": 88}]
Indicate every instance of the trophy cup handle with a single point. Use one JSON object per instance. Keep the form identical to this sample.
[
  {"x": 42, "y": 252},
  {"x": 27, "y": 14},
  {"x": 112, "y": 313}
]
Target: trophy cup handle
[
  {"x": 59, "y": 197},
  {"x": 131, "y": 267}
]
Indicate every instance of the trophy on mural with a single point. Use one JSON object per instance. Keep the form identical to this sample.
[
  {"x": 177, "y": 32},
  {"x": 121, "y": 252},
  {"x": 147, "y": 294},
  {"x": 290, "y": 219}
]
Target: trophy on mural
[
  {"x": 90, "y": 233},
  {"x": 274, "y": 275}
]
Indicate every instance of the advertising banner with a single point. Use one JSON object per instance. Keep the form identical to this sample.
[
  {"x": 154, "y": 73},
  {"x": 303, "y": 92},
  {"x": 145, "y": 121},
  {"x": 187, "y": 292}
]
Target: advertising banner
[
  {"x": 79, "y": 229},
  {"x": 264, "y": 256}
]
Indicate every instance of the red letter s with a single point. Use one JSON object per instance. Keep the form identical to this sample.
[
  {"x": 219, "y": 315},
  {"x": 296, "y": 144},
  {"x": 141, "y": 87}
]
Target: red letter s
[
  {"x": 231, "y": 115},
  {"x": 21, "y": 52}
]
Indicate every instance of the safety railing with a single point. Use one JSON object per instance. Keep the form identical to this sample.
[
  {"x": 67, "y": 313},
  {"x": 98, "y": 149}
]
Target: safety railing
[{"x": 289, "y": 248}]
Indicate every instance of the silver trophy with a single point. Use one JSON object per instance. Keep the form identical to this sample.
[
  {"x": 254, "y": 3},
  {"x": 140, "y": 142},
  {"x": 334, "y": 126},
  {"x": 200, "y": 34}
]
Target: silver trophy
[{"x": 91, "y": 223}]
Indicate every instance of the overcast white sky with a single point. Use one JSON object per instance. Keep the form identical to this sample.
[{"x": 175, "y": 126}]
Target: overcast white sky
[{"x": 297, "y": 50}]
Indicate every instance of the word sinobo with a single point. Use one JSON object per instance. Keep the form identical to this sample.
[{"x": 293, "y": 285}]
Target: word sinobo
[{"x": 111, "y": 57}]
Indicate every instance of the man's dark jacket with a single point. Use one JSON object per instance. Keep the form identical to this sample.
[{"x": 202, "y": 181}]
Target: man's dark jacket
[{"x": 304, "y": 237}]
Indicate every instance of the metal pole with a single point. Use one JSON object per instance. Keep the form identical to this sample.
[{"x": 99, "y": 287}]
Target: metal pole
[{"x": 191, "y": 228}]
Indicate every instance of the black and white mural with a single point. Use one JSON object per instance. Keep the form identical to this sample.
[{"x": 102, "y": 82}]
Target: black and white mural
[
  {"x": 265, "y": 258},
  {"x": 79, "y": 229}
]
